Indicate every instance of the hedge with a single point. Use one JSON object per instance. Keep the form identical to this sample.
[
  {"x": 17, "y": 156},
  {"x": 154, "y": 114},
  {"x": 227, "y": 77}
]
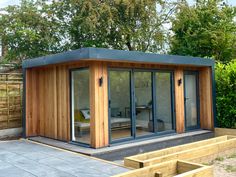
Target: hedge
[{"x": 226, "y": 94}]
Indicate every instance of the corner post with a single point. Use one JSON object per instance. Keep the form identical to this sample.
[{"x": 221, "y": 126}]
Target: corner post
[
  {"x": 99, "y": 104},
  {"x": 179, "y": 100}
]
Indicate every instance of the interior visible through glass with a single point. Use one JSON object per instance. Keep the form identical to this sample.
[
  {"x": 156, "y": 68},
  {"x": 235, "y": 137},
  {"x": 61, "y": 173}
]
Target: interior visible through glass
[
  {"x": 133, "y": 89},
  {"x": 190, "y": 100},
  {"x": 120, "y": 113},
  {"x": 163, "y": 102},
  {"x": 143, "y": 102},
  {"x": 80, "y": 106}
]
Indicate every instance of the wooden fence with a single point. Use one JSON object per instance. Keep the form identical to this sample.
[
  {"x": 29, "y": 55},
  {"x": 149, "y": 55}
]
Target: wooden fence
[{"x": 11, "y": 87}]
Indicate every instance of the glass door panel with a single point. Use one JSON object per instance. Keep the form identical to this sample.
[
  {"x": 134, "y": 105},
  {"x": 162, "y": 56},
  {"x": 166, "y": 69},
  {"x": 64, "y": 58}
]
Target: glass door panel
[
  {"x": 190, "y": 93},
  {"x": 143, "y": 102},
  {"x": 164, "y": 101},
  {"x": 80, "y": 106},
  {"x": 120, "y": 104}
]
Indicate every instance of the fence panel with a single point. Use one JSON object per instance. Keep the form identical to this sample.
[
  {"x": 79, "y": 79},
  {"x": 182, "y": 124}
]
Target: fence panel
[{"x": 11, "y": 86}]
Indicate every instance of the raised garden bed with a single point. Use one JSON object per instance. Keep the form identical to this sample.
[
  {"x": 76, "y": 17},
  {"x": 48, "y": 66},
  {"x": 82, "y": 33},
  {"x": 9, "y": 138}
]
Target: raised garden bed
[
  {"x": 225, "y": 131},
  {"x": 197, "y": 152},
  {"x": 177, "y": 168}
]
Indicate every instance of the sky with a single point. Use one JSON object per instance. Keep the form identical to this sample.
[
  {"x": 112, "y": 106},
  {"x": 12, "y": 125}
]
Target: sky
[
  {"x": 4, "y": 3},
  {"x": 231, "y": 2}
]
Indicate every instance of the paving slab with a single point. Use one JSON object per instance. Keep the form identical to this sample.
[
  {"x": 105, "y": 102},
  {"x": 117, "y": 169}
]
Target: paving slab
[{"x": 26, "y": 159}]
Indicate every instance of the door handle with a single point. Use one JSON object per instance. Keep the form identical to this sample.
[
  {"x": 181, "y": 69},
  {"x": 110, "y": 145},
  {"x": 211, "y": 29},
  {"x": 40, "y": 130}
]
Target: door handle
[
  {"x": 109, "y": 103},
  {"x": 186, "y": 98}
]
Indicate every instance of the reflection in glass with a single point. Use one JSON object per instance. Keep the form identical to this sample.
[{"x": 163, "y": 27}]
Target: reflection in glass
[
  {"x": 143, "y": 102},
  {"x": 80, "y": 106},
  {"x": 163, "y": 102},
  {"x": 120, "y": 117},
  {"x": 190, "y": 100}
]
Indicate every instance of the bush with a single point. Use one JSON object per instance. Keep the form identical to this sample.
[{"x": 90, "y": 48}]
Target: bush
[{"x": 226, "y": 94}]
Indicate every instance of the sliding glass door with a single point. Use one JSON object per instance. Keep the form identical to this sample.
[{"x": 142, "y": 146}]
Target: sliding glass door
[
  {"x": 140, "y": 103},
  {"x": 164, "y": 102},
  {"x": 120, "y": 104},
  {"x": 143, "y": 102},
  {"x": 80, "y": 107}
]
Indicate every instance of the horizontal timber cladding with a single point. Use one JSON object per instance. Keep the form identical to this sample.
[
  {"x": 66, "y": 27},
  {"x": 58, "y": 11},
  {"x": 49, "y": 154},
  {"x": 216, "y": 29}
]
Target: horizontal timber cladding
[{"x": 48, "y": 98}]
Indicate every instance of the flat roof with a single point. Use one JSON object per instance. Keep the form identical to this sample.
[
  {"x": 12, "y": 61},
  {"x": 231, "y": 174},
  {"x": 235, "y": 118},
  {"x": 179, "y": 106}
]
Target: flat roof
[{"x": 115, "y": 55}]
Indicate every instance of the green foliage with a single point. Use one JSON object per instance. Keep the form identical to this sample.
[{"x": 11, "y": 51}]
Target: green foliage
[
  {"x": 28, "y": 30},
  {"x": 119, "y": 24},
  {"x": 41, "y": 27},
  {"x": 206, "y": 29},
  {"x": 226, "y": 94}
]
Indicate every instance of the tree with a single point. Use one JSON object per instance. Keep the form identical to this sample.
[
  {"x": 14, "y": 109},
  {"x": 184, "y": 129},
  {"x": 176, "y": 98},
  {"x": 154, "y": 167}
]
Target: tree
[
  {"x": 206, "y": 29},
  {"x": 119, "y": 24},
  {"x": 28, "y": 31},
  {"x": 41, "y": 27}
]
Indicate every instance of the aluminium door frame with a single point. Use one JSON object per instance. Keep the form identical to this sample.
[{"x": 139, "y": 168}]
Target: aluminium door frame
[
  {"x": 131, "y": 109},
  {"x": 132, "y": 104}
]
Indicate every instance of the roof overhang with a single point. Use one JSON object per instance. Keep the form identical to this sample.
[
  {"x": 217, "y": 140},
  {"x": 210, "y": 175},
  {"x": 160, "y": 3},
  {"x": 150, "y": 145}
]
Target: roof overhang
[{"x": 101, "y": 54}]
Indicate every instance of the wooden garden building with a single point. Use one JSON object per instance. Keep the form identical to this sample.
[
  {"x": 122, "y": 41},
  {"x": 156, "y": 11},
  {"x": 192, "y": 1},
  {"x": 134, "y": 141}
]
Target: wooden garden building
[{"x": 96, "y": 97}]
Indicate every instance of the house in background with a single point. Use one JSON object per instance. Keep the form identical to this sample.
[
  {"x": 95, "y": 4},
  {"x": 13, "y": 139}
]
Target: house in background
[{"x": 97, "y": 97}]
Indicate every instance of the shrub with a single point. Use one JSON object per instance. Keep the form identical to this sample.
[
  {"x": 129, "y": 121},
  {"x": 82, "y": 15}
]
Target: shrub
[{"x": 226, "y": 94}]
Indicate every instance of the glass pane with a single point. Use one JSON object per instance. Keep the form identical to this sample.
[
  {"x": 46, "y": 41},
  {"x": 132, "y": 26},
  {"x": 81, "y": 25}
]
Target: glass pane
[
  {"x": 143, "y": 102},
  {"x": 80, "y": 106},
  {"x": 163, "y": 102},
  {"x": 190, "y": 100},
  {"x": 120, "y": 113}
]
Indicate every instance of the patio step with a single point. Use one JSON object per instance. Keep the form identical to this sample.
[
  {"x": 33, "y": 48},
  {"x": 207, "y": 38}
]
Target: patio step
[{"x": 121, "y": 150}]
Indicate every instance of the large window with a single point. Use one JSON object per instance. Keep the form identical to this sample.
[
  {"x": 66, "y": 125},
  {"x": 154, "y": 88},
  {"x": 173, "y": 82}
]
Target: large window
[{"x": 80, "y": 106}]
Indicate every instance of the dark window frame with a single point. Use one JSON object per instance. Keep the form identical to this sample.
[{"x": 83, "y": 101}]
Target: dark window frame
[
  {"x": 109, "y": 110},
  {"x": 133, "y": 116}
]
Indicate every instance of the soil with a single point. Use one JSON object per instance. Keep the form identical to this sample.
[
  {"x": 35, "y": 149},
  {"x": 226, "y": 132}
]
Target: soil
[{"x": 225, "y": 166}]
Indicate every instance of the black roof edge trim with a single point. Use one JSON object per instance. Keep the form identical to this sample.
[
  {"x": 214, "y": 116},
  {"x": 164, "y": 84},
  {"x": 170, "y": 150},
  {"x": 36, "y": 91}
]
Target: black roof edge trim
[{"x": 116, "y": 55}]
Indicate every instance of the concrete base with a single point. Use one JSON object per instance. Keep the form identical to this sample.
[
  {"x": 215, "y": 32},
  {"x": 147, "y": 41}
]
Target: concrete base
[
  {"x": 119, "y": 151},
  {"x": 11, "y": 132}
]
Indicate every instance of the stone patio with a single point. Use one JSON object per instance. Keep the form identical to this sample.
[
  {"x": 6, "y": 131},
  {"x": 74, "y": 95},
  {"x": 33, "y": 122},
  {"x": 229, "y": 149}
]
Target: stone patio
[{"x": 25, "y": 159}]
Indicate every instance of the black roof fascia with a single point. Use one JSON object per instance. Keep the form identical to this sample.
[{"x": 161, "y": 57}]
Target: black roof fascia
[{"x": 116, "y": 55}]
